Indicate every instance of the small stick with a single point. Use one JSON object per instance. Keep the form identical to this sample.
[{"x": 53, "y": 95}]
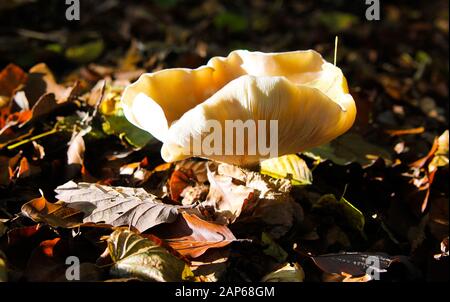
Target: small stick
[
  {"x": 335, "y": 49},
  {"x": 50, "y": 132}
]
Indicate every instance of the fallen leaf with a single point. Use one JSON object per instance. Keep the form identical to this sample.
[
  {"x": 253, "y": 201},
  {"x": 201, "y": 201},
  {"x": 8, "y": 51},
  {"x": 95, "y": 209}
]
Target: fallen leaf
[
  {"x": 429, "y": 164},
  {"x": 4, "y": 171},
  {"x": 258, "y": 199},
  {"x": 177, "y": 183},
  {"x": 41, "y": 81},
  {"x": 85, "y": 53},
  {"x": 271, "y": 248},
  {"x": 287, "y": 273},
  {"x": 349, "y": 148},
  {"x": 47, "y": 263},
  {"x": 355, "y": 264},
  {"x": 288, "y": 166},
  {"x": 194, "y": 194},
  {"x": 54, "y": 214},
  {"x": 344, "y": 277},
  {"x": 135, "y": 256},
  {"x": 352, "y": 216},
  {"x": 21, "y": 241},
  {"x": 116, "y": 206},
  {"x": 195, "y": 166},
  {"x": 438, "y": 217},
  {"x": 118, "y": 125},
  {"x": 10, "y": 78},
  {"x": 440, "y": 158},
  {"x": 75, "y": 158},
  {"x": 227, "y": 198},
  {"x": 192, "y": 236},
  {"x": 132, "y": 57},
  {"x": 3, "y": 229},
  {"x": 422, "y": 162},
  {"x": 230, "y": 21},
  {"x": 3, "y": 268},
  {"x": 211, "y": 266},
  {"x": 444, "y": 249}
]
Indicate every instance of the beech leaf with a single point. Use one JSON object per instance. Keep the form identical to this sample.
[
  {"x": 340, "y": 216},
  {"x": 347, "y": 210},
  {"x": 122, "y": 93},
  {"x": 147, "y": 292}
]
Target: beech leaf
[{"x": 117, "y": 206}]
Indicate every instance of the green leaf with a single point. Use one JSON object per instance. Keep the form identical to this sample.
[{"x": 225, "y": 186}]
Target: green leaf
[
  {"x": 232, "y": 21},
  {"x": 348, "y": 148},
  {"x": 85, "y": 53},
  {"x": 353, "y": 216},
  {"x": 3, "y": 268},
  {"x": 54, "y": 47},
  {"x": 272, "y": 248},
  {"x": 287, "y": 273},
  {"x": 337, "y": 21},
  {"x": 118, "y": 125},
  {"x": 440, "y": 158},
  {"x": 135, "y": 256},
  {"x": 288, "y": 166}
]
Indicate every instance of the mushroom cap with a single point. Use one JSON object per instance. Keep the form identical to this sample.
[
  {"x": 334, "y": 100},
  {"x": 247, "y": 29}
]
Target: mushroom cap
[{"x": 307, "y": 96}]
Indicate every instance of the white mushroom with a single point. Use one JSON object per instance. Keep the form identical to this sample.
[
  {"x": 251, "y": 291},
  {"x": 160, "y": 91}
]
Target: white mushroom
[{"x": 306, "y": 96}]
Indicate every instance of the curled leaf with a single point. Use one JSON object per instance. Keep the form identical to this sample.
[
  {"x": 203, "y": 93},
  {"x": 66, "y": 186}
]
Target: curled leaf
[
  {"x": 54, "y": 214},
  {"x": 192, "y": 236}
]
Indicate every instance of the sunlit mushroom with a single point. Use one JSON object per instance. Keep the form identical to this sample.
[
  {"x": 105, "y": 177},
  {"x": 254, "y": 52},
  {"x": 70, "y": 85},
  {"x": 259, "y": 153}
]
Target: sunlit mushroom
[{"x": 306, "y": 96}]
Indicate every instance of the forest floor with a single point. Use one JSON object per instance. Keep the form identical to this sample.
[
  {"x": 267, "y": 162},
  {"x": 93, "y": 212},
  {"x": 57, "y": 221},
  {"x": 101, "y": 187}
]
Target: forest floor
[{"x": 380, "y": 190}]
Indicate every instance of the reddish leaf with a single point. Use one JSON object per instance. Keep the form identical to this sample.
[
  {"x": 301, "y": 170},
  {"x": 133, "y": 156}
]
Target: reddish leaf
[
  {"x": 10, "y": 78},
  {"x": 192, "y": 237},
  {"x": 21, "y": 242},
  {"x": 178, "y": 182},
  {"x": 48, "y": 262},
  {"x": 426, "y": 159}
]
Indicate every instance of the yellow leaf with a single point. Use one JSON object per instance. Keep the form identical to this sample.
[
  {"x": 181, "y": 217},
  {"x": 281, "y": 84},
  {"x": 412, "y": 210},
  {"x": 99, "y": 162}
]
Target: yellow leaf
[{"x": 288, "y": 166}]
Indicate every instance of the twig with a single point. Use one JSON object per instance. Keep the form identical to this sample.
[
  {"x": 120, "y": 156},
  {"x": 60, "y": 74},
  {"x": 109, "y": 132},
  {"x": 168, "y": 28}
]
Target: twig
[{"x": 33, "y": 138}]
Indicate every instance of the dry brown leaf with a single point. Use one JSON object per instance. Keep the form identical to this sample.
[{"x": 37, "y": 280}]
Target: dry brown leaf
[
  {"x": 228, "y": 198},
  {"x": 178, "y": 182},
  {"x": 192, "y": 236},
  {"x": 197, "y": 168},
  {"x": 42, "y": 81},
  {"x": 253, "y": 198},
  {"x": 54, "y": 214},
  {"x": 117, "y": 206}
]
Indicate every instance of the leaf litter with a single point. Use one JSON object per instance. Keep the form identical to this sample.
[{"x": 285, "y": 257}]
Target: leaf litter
[{"x": 109, "y": 198}]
